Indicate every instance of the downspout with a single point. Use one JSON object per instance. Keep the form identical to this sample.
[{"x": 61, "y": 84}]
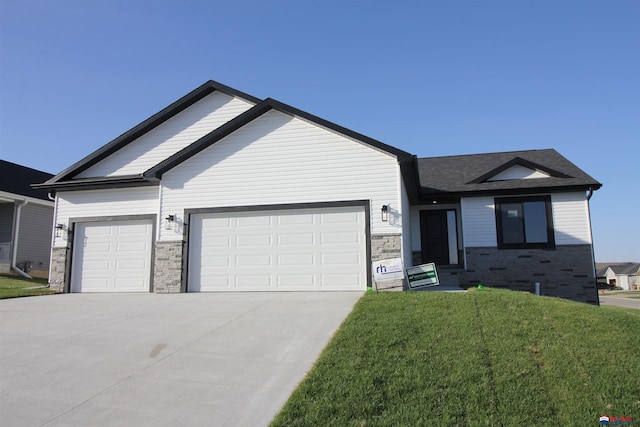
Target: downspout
[
  {"x": 593, "y": 252},
  {"x": 15, "y": 239},
  {"x": 53, "y": 234}
]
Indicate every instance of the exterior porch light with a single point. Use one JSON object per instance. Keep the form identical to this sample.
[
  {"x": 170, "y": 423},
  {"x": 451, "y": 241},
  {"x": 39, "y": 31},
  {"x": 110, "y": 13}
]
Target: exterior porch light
[
  {"x": 384, "y": 211},
  {"x": 59, "y": 230},
  {"x": 168, "y": 223}
]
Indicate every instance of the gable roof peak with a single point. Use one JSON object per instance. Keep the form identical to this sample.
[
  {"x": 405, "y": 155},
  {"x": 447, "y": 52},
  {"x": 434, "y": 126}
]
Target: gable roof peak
[{"x": 147, "y": 125}]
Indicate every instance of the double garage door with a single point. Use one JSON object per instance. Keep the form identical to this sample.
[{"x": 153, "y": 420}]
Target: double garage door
[{"x": 279, "y": 250}]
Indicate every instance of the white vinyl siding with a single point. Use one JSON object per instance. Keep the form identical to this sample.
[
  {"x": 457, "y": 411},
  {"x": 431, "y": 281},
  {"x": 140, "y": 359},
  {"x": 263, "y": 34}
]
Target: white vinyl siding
[
  {"x": 101, "y": 203},
  {"x": 478, "y": 222},
  {"x": 278, "y": 159},
  {"x": 571, "y": 218},
  {"x": 171, "y": 136}
]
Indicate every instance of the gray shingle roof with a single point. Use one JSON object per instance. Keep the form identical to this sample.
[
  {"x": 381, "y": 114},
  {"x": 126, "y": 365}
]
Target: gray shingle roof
[
  {"x": 17, "y": 179},
  {"x": 468, "y": 174},
  {"x": 626, "y": 268}
]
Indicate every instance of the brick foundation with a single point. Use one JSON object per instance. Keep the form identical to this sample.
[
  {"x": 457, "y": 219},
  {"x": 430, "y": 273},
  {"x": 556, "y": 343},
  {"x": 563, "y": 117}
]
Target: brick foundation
[
  {"x": 167, "y": 269},
  {"x": 565, "y": 272}
]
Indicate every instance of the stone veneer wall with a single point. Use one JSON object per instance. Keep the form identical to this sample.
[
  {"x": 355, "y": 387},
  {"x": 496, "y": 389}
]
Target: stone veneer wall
[
  {"x": 58, "y": 265},
  {"x": 384, "y": 246},
  {"x": 167, "y": 268},
  {"x": 565, "y": 272}
]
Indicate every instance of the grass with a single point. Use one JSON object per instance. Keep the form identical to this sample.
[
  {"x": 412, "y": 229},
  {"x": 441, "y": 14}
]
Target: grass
[
  {"x": 15, "y": 286},
  {"x": 480, "y": 358}
]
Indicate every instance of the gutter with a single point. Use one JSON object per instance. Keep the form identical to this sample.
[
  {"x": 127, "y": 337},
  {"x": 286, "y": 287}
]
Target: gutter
[{"x": 15, "y": 239}]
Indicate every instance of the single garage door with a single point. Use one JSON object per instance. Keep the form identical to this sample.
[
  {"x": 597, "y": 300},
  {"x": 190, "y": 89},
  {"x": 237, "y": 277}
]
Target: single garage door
[
  {"x": 281, "y": 250},
  {"x": 112, "y": 256}
]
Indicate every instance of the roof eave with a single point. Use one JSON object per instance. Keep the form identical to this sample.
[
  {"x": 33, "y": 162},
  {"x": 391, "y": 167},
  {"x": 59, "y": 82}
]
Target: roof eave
[
  {"x": 507, "y": 191},
  {"x": 97, "y": 183}
]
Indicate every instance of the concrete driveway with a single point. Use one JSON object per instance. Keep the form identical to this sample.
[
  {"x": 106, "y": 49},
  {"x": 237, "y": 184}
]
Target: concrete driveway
[{"x": 227, "y": 359}]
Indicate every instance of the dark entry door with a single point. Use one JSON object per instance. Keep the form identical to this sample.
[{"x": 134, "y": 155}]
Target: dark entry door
[{"x": 434, "y": 236}]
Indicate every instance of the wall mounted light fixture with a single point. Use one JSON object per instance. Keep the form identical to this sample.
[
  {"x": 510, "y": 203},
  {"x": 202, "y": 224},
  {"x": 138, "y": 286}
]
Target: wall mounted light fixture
[
  {"x": 168, "y": 222},
  {"x": 384, "y": 211},
  {"x": 59, "y": 230}
]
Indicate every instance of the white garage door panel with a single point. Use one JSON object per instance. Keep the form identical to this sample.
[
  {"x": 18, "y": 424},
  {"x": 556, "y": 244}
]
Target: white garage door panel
[
  {"x": 282, "y": 250},
  {"x": 112, "y": 256}
]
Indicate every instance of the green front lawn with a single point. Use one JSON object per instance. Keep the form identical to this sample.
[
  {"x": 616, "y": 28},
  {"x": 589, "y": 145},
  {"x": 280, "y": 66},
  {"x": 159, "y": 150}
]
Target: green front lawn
[
  {"x": 15, "y": 286},
  {"x": 480, "y": 358}
]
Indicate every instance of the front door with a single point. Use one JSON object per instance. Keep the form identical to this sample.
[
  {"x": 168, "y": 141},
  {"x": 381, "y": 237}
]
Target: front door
[{"x": 434, "y": 237}]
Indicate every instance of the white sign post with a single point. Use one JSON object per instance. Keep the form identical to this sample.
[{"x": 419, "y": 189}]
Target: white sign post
[{"x": 422, "y": 275}]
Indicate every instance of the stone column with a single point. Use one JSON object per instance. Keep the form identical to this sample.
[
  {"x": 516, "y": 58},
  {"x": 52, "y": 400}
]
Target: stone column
[
  {"x": 385, "y": 246},
  {"x": 58, "y": 267},
  {"x": 167, "y": 269}
]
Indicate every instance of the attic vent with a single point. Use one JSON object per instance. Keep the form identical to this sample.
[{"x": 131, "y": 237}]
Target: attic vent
[
  {"x": 518, "y": 168},
  {"x": 519, "y": 172}
]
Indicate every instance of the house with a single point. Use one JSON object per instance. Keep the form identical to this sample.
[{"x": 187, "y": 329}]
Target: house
[
  {"x": 625, "y": 275},
  {"x": 222, "y": 191},
  {"x": 26, "y": 220},
  {"x": 524, "y": 218}
]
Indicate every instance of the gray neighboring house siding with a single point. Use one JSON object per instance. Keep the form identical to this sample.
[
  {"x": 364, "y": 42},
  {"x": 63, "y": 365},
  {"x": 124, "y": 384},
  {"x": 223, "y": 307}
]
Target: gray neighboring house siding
[
  {"x": 32, "y": 249},
  {"x": 6, "y": 219},
  {"x": 35, "y": 237}
]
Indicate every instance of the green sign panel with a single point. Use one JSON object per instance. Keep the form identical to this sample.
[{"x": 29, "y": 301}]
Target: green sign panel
[{"x": 422, "y": 275}]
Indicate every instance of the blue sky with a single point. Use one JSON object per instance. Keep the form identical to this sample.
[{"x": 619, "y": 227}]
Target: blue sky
[{"x": 433, "y": 78}]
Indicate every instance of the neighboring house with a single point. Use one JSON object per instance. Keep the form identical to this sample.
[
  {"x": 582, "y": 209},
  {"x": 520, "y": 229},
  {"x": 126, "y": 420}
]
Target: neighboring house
[
  {"x": 26, "y": 220},
  {"x": 222, "y": 191},
  {"x": 625, "y": 275}
]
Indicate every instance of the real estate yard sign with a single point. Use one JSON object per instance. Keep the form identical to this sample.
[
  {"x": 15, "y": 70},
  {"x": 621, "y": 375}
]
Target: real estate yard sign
[
  {"x": 422, "y": 275},
  {"x": 388, "y": 269}
]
